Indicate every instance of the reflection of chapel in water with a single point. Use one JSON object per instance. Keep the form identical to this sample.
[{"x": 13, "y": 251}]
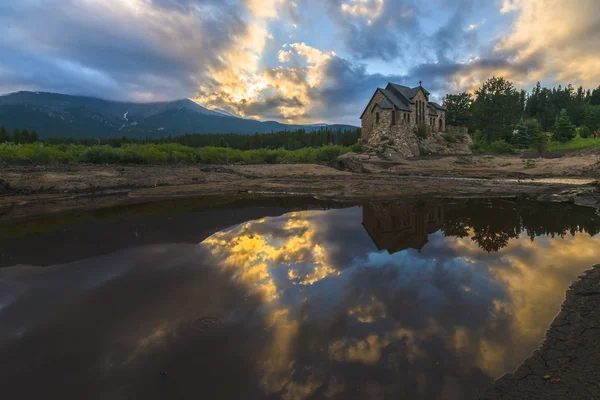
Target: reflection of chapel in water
[{"x": 397, "y": 226}]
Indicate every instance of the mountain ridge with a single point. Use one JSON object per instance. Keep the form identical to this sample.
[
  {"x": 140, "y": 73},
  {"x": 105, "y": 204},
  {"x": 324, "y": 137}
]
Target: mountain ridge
[{"x": 63, "y": 115}]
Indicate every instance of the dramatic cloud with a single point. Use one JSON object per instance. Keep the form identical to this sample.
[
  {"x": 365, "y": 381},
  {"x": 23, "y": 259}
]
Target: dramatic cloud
[
  {"x": 311, "y": 305},
  {"x": 566, "y": 37},
  {"x": 121, "y": 49},
  {"x": 291, "y": 60}
]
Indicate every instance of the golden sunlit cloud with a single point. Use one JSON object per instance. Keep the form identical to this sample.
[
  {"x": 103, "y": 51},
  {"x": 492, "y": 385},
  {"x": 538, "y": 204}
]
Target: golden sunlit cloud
[
  {"x": 250, "y": 91},
  {"x": 279, "y": 259},
  {"x": 549, "y": 40},
  {"x": 368, "y": 312},
  {"x": 562, "y": 34}
]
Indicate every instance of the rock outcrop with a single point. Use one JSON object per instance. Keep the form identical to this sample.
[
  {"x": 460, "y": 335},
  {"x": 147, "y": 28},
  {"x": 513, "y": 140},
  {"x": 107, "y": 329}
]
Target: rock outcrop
[
  {"x": 407, "y": 143},
  {"x": 381, "y": 152}
]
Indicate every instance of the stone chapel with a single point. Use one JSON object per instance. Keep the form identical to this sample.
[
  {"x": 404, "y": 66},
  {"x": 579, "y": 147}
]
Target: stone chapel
[{"x": 397, "y": 110}]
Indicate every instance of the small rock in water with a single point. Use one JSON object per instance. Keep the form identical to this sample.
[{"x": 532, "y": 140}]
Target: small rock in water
[
  {"x": 546, "y": 376},
  {"x": 163, "y": 373}
]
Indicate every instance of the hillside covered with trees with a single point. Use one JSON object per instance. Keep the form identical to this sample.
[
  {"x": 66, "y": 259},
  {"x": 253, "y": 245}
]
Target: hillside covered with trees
[{"x": 498, "y": 115}]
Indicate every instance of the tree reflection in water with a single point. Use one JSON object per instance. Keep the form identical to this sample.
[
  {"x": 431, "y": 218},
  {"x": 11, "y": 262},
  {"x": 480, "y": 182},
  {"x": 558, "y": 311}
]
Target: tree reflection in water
[{"x": 396, "y": 226}]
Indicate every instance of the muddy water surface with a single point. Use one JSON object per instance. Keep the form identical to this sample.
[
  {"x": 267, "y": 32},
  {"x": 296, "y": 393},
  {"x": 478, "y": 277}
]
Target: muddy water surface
[{"x": 288, "y": 300}]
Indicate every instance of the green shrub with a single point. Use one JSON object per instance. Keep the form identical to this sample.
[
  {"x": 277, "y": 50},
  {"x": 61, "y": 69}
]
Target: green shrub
[
  {"x": 529, "y": 164},
  {"x": 421, "y": 131},
  {"x": 540, "y": 141},
  {"x": 585, "y": 132},
  {"x": 357, "y": 148},
  {"x": 170, "y": 153},
  {"x": 450, "y": 138},
  {"x": 270, "y": 158},
  {"x": 498, "y": 147},
  {"x": 501, "y": 147}
]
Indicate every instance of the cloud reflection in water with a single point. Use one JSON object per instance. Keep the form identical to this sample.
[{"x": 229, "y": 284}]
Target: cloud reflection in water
[
  {"x": 462, "y": 310},
  {"x": 447, "y": 298}
]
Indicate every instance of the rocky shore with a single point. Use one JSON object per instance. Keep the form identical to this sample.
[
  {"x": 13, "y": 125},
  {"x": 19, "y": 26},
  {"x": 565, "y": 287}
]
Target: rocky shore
[{"x": 32, "y": 191}]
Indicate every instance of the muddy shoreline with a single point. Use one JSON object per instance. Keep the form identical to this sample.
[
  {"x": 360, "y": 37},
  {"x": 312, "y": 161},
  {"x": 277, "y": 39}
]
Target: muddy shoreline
[
  {"x": 566, "y": 366},
  {"x": 34, "y": 191}
]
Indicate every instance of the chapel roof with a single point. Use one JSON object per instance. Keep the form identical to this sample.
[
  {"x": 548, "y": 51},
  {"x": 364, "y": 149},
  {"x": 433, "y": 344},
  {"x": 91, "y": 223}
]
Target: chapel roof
[{"x": 401, "y": 97}]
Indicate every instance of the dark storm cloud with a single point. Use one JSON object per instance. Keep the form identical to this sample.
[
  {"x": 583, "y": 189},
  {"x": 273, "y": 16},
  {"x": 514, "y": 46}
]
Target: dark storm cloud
[
  {"x": 159, "y": 49},
  {"x": 348, "y": 88}
]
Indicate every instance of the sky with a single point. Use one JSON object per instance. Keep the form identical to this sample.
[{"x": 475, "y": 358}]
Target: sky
[{"x": 301, "y": 61}]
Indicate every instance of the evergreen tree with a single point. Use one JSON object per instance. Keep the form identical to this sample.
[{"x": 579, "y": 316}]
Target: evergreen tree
[
  {"x": 4, "y": 136},
  {"x": 592, "y": 117},
  {"x": 540, "y": 141},
  {"x": 521, "y": 137},
  {"x": 223, "y": 142},
  {"x": 533, "y": 127},
  {"x": 17, "y": 136},
  {"x": 34, "y": 137},
  {"x": 585, "y": 132},
  {"x": 458, "y": 109},
  {"x": 594, "y": 97},
  {"x": 496, "y": 108},
  {"x": 25, "y": 136},
  {"x": 576, "y": 107},
  {"x": 563, "y": 130},
  {"x": 532, "y": 106}
]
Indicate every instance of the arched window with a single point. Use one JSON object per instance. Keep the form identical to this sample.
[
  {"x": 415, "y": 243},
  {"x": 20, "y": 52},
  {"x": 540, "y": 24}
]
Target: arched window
[
  {"x": 393, "y": 117},
  {"x": 377, "y": 118},
  {"x": 440, "y": 124}
]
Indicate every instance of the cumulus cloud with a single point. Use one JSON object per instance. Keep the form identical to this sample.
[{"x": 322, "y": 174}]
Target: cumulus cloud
[
  {"x": 565, "y": 36},
  {"x": 131, "y": 42},
  {"x": 291, "y": 60},
  {"x": 309, "y": 85}
]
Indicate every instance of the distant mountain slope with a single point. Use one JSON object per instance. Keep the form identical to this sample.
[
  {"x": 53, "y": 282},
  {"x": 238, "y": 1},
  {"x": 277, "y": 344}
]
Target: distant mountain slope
[{"x": 60, "y": 115}]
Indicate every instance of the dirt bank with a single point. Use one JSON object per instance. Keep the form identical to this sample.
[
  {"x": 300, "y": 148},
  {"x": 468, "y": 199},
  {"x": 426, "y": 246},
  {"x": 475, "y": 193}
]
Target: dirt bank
[
  {"x": 583, "y": 163},
  {"x": 566, "y": 366},
  {"x": 35, "y": 190}
]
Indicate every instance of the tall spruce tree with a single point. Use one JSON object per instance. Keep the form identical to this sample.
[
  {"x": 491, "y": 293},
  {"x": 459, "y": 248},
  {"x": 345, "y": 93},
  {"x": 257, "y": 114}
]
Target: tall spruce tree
[
  {"x": 521, "y": 137},
  {"x": 563, "y": 130}
]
